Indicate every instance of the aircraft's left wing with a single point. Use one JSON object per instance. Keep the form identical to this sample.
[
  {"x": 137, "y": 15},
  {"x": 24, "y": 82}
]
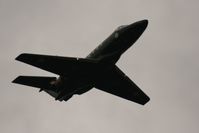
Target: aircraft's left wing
[
  {"x": 117, "y": 83},
  {"x": 58, "y": 65}
]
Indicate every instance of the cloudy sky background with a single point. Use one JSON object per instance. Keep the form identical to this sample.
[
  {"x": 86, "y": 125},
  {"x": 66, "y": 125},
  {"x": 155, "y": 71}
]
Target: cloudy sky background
[{"x": 163, "y": 62}]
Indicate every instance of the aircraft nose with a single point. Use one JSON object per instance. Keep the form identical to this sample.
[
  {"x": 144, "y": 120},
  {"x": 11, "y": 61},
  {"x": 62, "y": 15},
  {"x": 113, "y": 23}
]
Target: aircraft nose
[
  {"x": 139, "y": 26},
  {"x": 143, "y": 23},
  {"x": 135, "y": 30}
]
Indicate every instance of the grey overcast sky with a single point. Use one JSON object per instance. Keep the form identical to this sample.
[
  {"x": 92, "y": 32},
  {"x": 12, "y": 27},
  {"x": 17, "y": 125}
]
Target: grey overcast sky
[{"x": 163, "y": 63}]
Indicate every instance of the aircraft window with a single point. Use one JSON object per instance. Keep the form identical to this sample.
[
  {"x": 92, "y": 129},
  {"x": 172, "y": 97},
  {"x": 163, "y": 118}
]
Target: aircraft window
[
  {"x": 120, "y": 27},
  {"x": 116, "y": 35}
]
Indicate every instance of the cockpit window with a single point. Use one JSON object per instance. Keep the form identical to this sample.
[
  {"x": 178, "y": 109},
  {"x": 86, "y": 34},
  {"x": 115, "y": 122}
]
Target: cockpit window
[{"x": 120, "y": 27}]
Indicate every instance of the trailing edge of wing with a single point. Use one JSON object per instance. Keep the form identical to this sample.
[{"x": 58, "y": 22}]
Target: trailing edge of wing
[{"x": 56, "y": 64}]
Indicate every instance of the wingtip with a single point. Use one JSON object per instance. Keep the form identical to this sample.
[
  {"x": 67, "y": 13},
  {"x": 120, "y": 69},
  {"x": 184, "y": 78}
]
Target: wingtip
[
  {"x": 19, "y": 57},
  {"x": 146, "y": 100},
  {"x": 13, "y": 81}
]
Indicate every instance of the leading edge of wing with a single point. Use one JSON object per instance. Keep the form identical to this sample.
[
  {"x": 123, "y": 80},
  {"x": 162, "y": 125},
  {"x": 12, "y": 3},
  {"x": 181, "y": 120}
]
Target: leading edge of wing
[{"x": 117, "y": 83}]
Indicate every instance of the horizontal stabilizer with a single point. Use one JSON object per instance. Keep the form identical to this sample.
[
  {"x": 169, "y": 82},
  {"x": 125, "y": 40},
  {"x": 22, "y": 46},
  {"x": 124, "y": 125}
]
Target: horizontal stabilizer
[
  {"x": 38, "y": 82},
  {"x": 58, "y": 65}
]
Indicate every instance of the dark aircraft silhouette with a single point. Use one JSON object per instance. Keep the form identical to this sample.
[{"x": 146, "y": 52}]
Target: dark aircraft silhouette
[{"x": 98, "y": 69}]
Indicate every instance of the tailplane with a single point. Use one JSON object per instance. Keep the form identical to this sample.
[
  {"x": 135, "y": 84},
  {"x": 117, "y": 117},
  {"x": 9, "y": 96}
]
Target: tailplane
[
  {"x": 35, "y": 81},
  {"x": 43, "y": 83}
]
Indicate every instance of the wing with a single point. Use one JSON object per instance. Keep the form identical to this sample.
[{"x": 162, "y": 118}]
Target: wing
[
  {"x": 117, "y": 83},
  {"x": 58, "y": 65}
]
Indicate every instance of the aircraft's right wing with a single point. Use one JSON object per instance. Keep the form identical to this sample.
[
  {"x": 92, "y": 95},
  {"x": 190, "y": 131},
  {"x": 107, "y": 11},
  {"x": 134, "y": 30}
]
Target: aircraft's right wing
[
  {"x": 117, "y": 83},
  {"x": 58, "y": 65}
]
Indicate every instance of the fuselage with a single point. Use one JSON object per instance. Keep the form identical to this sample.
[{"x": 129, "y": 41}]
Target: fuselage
[
  {"x": 118, "y": 42},
  {"x": 98, "y": 69},
  {"x": 108, "y": 52}
]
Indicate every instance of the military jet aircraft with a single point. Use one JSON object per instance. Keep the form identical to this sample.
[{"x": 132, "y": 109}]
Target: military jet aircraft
[{"x": 98, "y": 69}]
